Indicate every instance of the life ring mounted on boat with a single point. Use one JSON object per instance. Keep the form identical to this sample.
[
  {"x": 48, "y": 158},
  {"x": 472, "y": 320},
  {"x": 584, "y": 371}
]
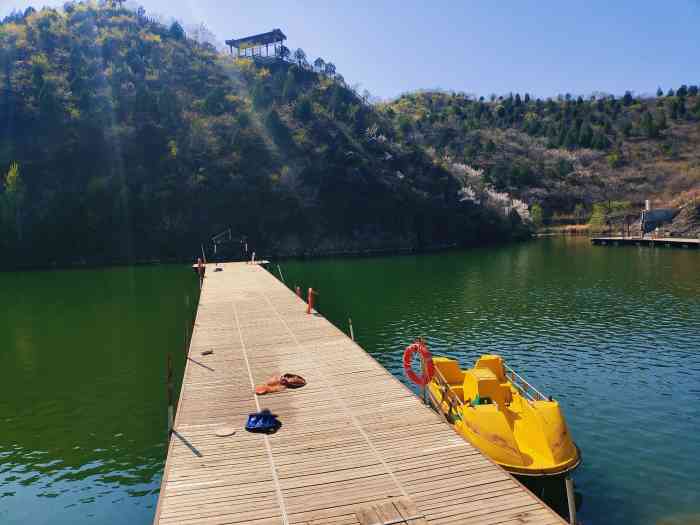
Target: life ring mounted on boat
[{"x": 428, "y": 368}]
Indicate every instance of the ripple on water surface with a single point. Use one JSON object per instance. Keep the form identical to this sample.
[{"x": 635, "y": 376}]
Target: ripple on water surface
[
  {"x": 613, "y": 333},
  {"x": 81, "y": 398}
]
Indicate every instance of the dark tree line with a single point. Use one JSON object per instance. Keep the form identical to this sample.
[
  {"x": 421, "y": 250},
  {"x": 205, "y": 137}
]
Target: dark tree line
[{"x": 597, "y": 122}]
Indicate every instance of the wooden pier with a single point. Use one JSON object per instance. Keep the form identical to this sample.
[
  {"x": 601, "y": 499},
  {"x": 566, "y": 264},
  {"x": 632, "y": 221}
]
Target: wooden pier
[
  {"x": 658, "y": 242},
  {"x": 355, "y": 447}
]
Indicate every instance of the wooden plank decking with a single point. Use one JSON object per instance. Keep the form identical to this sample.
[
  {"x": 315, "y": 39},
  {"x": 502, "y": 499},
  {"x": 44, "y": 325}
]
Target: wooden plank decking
[{"x": 353, "y": 442}]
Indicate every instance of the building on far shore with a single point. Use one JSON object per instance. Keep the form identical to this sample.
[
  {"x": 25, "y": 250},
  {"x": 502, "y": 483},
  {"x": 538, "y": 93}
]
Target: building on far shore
[
  {"x": 253, "y": 46},
  {"x": 653, "y": 219}
]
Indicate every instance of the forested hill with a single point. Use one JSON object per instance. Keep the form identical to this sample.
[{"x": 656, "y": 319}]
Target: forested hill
[
  {"x": 123, "y": 139},
  {"x": 563, "y": 155}
]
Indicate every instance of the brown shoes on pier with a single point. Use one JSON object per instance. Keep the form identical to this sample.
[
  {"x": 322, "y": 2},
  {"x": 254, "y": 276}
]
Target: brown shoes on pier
[{"x": 279, "y": 383}]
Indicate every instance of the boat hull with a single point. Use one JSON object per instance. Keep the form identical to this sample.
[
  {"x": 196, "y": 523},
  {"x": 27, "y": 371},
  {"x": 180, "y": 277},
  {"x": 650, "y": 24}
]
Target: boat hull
[
  {"x": 497, "y": 449},
  {"x": 527, "y": 437}
]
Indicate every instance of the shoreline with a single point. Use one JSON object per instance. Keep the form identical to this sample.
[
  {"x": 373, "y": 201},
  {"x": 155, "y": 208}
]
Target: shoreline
[
  {"x": 85, "y": 264},
  {"x": 578, "y": 230}
]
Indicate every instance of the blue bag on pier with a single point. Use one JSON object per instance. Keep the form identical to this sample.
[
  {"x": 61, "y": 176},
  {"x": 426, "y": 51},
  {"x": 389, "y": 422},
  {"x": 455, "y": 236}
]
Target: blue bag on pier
[{"x": 264, "y": 422}]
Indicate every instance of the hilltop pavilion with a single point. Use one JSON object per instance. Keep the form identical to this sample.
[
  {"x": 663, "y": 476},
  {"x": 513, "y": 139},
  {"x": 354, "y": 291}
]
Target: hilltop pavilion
[{"x": 252, "y": 46}]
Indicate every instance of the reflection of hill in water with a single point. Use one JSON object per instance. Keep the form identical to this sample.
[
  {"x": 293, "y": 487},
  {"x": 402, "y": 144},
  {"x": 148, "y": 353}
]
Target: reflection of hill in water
[{"x": 82, "y": 401}]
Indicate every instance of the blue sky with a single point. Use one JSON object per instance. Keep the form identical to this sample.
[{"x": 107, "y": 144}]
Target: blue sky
[{"x": 541, "y": 47}]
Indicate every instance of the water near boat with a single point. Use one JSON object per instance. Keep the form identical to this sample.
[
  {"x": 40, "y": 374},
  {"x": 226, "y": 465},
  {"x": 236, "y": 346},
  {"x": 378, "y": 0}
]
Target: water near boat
[{"x": 611, "y": 333}]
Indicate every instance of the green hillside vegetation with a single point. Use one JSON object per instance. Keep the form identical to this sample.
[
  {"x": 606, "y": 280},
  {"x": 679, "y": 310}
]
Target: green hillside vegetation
[
  {"x": 564, "y": 154},
  {"x": 122, "y": 139}
]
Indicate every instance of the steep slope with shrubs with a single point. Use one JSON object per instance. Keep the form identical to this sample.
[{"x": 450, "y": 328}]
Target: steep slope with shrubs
[
  {"x": 563, "y": 155},
  {"x": 122, "y": 139}
]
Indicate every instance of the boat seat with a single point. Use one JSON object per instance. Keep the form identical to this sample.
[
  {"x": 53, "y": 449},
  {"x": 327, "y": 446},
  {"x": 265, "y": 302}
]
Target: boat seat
[
  {"x": 494, "y": 363},
  {"x": 449, "y": 368},
  {"x": 482, "y": 383}
]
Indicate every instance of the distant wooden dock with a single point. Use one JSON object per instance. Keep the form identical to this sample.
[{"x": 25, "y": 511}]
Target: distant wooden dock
[
  {"x": 668, "y": 242},
  {"x": 356, "y": 447}
]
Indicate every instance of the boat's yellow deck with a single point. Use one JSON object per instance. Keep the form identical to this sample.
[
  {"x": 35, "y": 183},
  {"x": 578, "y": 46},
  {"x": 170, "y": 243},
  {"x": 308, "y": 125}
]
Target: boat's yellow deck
[{"x": 523, "y": 436}]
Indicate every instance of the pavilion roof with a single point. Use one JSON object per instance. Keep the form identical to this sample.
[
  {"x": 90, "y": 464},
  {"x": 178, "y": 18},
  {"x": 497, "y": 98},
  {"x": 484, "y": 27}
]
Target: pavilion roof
[{"x": 270, "y": 37}]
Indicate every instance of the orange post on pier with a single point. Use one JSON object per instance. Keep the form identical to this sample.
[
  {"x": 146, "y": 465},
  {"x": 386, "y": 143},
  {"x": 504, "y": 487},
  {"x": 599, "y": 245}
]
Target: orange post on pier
[{"x": 310, "y": 301}]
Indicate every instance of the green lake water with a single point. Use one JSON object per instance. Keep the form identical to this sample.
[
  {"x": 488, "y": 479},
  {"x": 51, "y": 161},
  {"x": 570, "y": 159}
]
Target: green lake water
[
  {"x": 83, "y": 398},
  {"x": 613, "y": 333}
]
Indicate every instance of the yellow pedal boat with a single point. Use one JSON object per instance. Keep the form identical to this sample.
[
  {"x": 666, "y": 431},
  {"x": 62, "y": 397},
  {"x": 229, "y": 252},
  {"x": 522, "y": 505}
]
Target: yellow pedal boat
[{"x": 502, "y": 415}]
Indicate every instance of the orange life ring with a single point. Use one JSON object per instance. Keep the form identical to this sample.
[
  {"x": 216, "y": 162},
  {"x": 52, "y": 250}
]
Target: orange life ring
[{"x": 429, "y": 372}]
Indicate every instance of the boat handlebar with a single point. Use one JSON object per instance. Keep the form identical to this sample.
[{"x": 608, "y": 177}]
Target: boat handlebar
[{"x": 525, "y": 388}]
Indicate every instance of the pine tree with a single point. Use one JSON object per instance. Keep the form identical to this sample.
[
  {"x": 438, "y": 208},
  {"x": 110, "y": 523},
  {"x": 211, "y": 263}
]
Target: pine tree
[
  {"x": 585, "y": 136},
  {"x": 626, "y": 127},
  {"x": 300, "y": 57},
  {"x": 673, "y": 108},
  {"x": 329, "y": 69},
  {"x": 176, "y": 31},
  {"x": 571, "y": 139},
  {"x": 696, "y": 107},
  {"x": 628, "y": 99},
  {"x": 648, "y": 126},
  {"x": 661, "y": 123},
  {"x": 600, "y": 141}
]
